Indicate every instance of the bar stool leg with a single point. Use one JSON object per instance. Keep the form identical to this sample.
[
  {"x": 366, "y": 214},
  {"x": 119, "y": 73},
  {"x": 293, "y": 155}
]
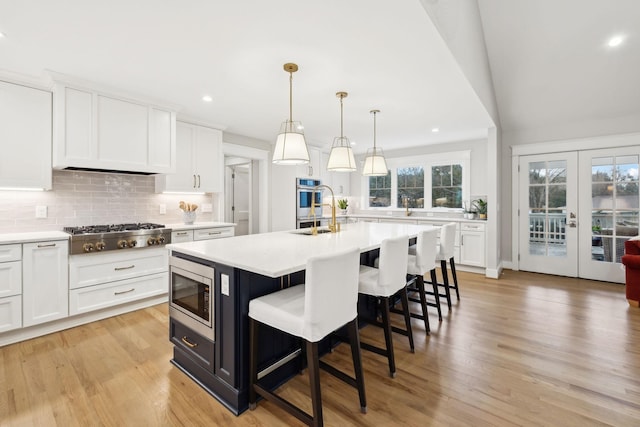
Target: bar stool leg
[
  {"x": 436, "y": 293},
  {"x": 314, "y": 381},
  {"x": 455, "y": 277},
  {"x": 423, "y": 302},
  {"x": 354, "y": 339},
  {"x": 386, "y": 325},
  {"x": 253, "y": 362},
  {"x": 407, "y": 317},
  {"x": 445, "y": 278}
]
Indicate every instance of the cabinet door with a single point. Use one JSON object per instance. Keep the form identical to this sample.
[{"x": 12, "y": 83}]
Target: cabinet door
[
  {"x": 75, "y": 139},
  {"x": 123, "y": 133},
  {"x": 25, "y": 133},
  {"x": 161, "y": 142},
  {"x": 45, "y": 285},
  {"x": 472, "y": 248},
  {"x": 209, "y": 160},
  {"x": 182, "y": 236},
  {"x": 10, "y": 278},
  {"x": 184, "y": 179},
  {"x": 10, "y": 313}
]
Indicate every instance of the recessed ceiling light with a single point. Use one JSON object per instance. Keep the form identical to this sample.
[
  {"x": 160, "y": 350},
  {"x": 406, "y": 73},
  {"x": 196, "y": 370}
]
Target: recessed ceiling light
[
  {"x": 207, "y": 98},
  {"x": 2, "y": 35},
  {"x": 615, "y": 41},
  {"x": 435, "y": 130}
]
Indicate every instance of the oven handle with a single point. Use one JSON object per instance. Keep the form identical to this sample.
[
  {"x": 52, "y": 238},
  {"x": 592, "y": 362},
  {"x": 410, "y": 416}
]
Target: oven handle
[
  {"x": 188, "y": 343},
  {"x": 124, "y": 268}
]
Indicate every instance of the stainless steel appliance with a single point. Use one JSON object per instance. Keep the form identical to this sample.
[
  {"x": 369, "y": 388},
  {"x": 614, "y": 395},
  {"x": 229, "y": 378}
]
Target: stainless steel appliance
[
  {"x": 304, "y": 197},
  {"x": 191, "y": 300},
  {"x": 103, "y": 238}
]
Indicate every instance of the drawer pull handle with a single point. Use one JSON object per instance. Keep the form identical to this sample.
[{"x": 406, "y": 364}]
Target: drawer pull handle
[
  {"x": 124, "y": 268},
  {"x": 124, "y": 292},
  {"x": 50, "y": 245},
  {"x": 183, "y": 233},
  {"x": 189, "y": 343},
  {"x": 211, "y": 233}
]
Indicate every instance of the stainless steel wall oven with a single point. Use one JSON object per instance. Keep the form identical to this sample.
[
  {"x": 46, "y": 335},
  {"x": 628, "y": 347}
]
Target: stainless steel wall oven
[{"x": 304, "y": 197}]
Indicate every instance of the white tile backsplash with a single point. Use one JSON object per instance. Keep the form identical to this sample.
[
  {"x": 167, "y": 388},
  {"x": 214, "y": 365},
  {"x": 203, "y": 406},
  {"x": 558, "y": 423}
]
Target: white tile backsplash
[{"x": 85, "y": 198}]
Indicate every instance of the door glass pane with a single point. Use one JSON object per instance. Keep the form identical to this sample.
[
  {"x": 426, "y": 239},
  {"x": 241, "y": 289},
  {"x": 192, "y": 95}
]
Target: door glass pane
[
  {"x": 615, "y": 205},
  {"x": 547, "y": 208}
]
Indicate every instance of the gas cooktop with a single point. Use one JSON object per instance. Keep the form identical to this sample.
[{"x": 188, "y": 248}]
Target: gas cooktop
[{"x": 103, "y": 238}]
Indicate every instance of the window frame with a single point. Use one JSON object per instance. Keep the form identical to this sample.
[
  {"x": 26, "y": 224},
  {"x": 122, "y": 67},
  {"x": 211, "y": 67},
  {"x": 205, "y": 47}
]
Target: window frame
[{"x": 426, "y": 161}]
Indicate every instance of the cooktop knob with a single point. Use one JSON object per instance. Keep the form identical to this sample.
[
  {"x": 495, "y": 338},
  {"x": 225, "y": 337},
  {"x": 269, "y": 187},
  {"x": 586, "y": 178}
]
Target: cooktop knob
[
  {"x": 161, "y": 240},
  {"x": 152, "y": 241},
  {"x": 100, "y": 246},
  {"x": 132, "y": 243},
  {"x": 87, "y": 247},
  {"x": 122, "y": 244}
]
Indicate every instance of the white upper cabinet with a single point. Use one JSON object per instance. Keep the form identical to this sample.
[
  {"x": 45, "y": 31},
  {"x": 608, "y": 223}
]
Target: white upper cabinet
[
  {"x": 313, "y": 169},
  {"x": 96, "y": 130},
  {"x": 25, "y": 135},
  {"x": 199, "y": 161}
]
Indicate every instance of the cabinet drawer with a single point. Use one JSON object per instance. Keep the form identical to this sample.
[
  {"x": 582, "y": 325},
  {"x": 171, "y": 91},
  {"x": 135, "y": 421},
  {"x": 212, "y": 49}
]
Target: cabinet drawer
[
  {"x": 10, "y": 313},
  {"x": 470, "y": 226},
  {"x": 109, "y": 294},
  {"x": 200, "y": 349},
  {"x": 212, "y": 233},
  {"x": 182, "y": 236},
  {"x": 10, "y": 253},
  {"x": 93, "y": 269},
  {"x": 10, "y": 278}
]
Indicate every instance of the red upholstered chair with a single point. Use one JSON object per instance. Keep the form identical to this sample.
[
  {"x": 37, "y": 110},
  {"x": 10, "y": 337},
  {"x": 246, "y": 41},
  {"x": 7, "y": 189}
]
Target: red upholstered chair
[{"x": 631, "y": 261}]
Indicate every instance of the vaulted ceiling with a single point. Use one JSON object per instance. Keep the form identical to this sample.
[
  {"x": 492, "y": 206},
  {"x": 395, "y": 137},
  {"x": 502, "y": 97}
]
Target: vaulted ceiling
[{"x": 548, "y": 60}]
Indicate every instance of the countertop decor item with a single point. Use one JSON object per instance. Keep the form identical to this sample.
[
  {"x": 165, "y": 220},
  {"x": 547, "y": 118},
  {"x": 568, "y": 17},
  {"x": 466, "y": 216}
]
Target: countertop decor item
[
  {"x": 343, "y": 204},
  {"x": 481, "y": 208},
  {"x": 188, "y": 212}
]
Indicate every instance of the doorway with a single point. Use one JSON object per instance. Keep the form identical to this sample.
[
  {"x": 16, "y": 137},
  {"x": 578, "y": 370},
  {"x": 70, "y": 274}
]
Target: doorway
[
  {"x": 238, "y": 191},
  {"x": 576, "y": 210}
]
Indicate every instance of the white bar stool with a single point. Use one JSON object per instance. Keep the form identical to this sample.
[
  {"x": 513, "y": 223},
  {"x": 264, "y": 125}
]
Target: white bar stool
[
  {"x": 445, "y": 253},
  {"x": 384, "y": 282},
  {"x": 311, "y": 311},
  {"x": 423, "y": 262}
]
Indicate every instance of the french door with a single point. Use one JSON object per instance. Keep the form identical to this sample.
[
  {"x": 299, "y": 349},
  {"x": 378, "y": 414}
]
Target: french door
[{"x": 576, "y": 211}]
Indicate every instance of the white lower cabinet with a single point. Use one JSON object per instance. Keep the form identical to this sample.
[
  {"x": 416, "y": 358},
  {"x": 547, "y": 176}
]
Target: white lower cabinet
[
  {"x": 180, "y": 236},
  {"x": 98, "y": 281},
  {"x": 91, "y": 298},
  {"x": 45, "y": 281},
  {"x": 472, "y": 245},
  {"x": 10, "y": 313}
]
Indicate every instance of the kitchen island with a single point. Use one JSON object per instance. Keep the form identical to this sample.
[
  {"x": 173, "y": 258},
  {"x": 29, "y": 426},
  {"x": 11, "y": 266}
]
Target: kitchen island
[{"x": 247, "y": 267}]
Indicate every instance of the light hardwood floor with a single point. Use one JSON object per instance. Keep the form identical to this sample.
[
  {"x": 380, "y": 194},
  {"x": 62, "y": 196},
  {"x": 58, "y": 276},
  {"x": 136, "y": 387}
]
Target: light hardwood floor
[{"x": 527, "y": 349}]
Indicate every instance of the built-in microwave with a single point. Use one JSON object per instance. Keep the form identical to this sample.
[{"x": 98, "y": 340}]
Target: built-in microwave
[
  {"x": 191, "y": 297},
  {"x": 305, "y": 194}
]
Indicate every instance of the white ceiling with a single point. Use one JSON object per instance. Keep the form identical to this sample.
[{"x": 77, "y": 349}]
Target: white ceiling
[
  {"x": 551, "y": 64},
  {"x": 548, "y": 59},
  {"x": 386, "y": 54}
]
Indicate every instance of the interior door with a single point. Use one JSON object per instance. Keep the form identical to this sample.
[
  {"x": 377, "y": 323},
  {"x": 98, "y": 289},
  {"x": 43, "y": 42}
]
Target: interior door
[
  {"x": 548, "y": 206},
  {"x": 609, "y": 208}
]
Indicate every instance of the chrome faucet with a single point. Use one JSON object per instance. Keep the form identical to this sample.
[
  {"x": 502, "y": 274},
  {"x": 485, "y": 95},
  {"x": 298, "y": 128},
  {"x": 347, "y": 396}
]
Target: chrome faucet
[{"x": 334, "y": 227}]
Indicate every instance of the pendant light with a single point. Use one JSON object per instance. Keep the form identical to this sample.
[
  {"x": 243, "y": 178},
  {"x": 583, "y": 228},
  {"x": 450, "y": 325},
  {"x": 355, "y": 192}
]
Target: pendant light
[
  {"x": 291, "y": 147},
  {"x": 374, "y": 162},
  {"x": 341, "y": 158}
]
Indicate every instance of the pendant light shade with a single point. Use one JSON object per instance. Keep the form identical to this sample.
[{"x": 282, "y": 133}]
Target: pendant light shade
[
  {"x": 291, "y": 147},
  {"x": 341, "y": 158},
  {"x": 374, "y": 162}
]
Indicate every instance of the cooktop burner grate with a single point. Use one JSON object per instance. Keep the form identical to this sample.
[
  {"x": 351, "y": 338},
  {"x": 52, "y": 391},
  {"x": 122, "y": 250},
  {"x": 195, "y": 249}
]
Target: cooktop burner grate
[{"x": 110, "y": 228}]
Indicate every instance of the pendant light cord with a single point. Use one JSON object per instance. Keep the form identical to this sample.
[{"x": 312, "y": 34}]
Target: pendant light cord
[
  {"x": 290, "y": 96},
  {"x": 341, "y": 126},
  {"x": 374, "y": 132}
]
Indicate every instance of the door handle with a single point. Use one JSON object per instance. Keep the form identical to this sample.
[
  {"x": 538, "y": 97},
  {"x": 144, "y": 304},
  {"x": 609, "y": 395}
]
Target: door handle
[
  {"x": 573, "y": 223},
  {"x": 194, "y": 180}
]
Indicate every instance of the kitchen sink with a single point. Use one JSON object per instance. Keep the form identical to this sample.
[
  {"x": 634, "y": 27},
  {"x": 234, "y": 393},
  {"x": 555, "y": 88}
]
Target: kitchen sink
[{"x": 309, "y": 232}]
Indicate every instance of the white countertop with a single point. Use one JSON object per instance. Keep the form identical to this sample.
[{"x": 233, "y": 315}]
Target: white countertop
[
  {"x": 198, "y": 225},
  {"x": 411, "y": 217},
  {"x": 284, "y": 252},
  {"x": 39, "y": 236}
]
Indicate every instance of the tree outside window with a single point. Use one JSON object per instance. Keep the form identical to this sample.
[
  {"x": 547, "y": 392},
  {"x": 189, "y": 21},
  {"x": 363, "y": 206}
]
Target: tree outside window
[
  {"x": 410, "y": 187},
  {"x": 446, "y": 186},
  {"x": 380, "y": 191}
]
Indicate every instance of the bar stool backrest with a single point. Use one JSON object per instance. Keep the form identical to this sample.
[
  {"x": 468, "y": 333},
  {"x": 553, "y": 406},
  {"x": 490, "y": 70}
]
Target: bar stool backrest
[
  {"x": 426, "y": 250},
  {"x": 392, "y": 265},
  {"x": 447, "y": 241},
  {"x": 331, "y": 293}
]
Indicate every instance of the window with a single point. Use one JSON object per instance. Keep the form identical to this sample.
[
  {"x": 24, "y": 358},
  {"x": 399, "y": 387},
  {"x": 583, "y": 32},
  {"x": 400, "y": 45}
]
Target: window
[
  {"x": 429, "y": 181},
  {"x": 410, "y": 187},
  {"x": 446, "y": 186},
  {"x": 380, "y": 191}
]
